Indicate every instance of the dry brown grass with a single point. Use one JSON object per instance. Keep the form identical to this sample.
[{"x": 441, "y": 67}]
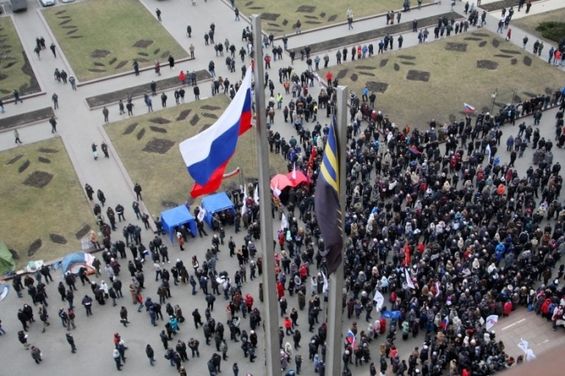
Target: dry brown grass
[
  {"x": 454, "y": 78},
  {"x": 164, "y": 177},
  {"x": 30, "y": 213}
]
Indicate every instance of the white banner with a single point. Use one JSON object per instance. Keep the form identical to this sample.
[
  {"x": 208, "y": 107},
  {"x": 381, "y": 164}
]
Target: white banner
[
  {"x": 201, "y": 214},
  {"x": 491, "y": 321},
  {"x": 379, "y": 299},
  {"x": 409, "y": 279},
  {"x": 284, "y": 222}
]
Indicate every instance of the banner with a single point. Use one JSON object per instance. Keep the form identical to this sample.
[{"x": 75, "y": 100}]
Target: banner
[
  {"x": 201, "y": 214},
  {"x": 491, "y": 321},
  {"x": 409, "y": 279},
  {"x": 379, "y": 299}
]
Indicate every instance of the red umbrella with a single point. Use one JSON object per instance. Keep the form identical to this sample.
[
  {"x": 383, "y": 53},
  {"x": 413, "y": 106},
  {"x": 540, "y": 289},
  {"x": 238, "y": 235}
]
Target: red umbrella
[{"x": 299, "y": 178}]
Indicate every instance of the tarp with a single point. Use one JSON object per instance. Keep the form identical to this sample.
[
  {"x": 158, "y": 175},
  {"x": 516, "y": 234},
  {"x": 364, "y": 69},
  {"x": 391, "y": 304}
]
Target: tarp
[
  {"x": 4, "y": 289},
  {"x": 74, "y": 261},
  {"x": 297, "y": 177},
  {"x": 291, "y": 179},
  {"x": 216, "y": 203},
  {"x": 178, "y": 216},
  {"x": 7, "y": 263}
]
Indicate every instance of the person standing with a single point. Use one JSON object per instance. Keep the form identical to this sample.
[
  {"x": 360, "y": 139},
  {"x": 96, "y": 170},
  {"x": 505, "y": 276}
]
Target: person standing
[
  {"x": 124, "y": 316},
  {"x": 17, "y": 97},
  {"x": 104, "y": 148},
  {"x": 73, "y": 82},
  {"x": 349, "y": 15},
  {"x": 137, "y": 189},
  {"x": 55, "y": 99},
  {"x": 71, "y": 341},
  {"x": 53, "y": 49},
  {"x": 17, "y": 137},
  {"x": 158, "y": 13},
  {"x": 117, "y": 359},
  {"x": 36, "y": 354},
  {"x": 101, "y": 196},
  {"x": 22, "y": 337},
  {"x": 150, "y": 354},
  {"x": 44, "y": 317},
  {"x": 53, "y": 123},
  {"x": 105, "y": 112}
]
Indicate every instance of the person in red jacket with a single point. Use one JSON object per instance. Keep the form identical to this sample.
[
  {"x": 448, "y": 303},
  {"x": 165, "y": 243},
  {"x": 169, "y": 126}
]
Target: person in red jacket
[{"x": 329, "y": 77}]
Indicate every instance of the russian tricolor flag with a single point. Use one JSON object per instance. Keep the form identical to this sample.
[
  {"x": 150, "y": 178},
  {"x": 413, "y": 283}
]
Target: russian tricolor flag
[
  {"x": 468, "y": 109},
  {"x": 207, "y": 154}
]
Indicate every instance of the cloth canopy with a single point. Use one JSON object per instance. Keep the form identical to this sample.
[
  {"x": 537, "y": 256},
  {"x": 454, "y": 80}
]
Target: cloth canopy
[
  {"x": 74, "y": 261},
  {"x": 216, "y": 203},
  {"x": 175, "y": 217},
  {"x": 299, "y": 178},
  {"x": 7, "y": 263}
]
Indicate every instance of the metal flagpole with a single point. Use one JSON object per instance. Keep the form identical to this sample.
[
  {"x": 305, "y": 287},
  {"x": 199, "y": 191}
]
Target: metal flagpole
[
  {"x": 272, "y": 350},
  {"x": 335, "y": 311}
]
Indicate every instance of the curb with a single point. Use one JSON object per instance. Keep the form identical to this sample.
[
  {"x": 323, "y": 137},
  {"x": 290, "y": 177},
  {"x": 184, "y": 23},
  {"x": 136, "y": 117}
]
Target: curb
[
  {"x": 365, "y": 18},
  {"x": 33, "y": 122},
  {"x": 129, "y": 72},
  {"x": 141, "y": 96},
  {"x": 29, "y": 96}
]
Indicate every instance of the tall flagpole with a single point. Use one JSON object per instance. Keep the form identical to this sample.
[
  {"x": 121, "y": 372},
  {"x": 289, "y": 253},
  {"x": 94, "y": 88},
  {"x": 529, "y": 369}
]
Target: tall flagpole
[
  {"x": 272, "y": 350},
  {"x": 335, "y": 311}
]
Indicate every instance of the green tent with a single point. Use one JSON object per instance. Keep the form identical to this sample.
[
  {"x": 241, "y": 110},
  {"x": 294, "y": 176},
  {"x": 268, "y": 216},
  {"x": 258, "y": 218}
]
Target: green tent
[{"x": 7, "y": 263}]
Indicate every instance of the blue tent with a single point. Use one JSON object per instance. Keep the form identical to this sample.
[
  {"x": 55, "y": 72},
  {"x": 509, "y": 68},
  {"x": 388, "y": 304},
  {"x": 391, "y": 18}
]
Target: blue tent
[
  {"x": 177, "y": 217},
  {"x": 216, "y": 203}
]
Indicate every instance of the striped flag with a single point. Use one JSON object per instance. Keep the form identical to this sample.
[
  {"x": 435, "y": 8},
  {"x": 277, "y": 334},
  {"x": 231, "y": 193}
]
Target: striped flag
[
  {"x": 468, "y": 109},
  {"x": 207, "y": 154},
  {"x": 326, "y": 204}
]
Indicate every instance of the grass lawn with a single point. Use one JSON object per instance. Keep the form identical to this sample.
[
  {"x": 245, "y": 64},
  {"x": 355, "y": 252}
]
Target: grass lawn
[
  {"x": 432, "y": 81},
  {"x": 42, "y": 202},
  {"x": 15, "y": 70},
  {"x": 103, "y": 37},
  {"x": 279, "y": 17},
  {"x": 148, "y": 146},
  {"x": 530, "y": 23}
]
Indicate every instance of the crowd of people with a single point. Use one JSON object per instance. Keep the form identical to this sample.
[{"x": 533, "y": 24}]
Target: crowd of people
[{"x": 436, "y": 222}]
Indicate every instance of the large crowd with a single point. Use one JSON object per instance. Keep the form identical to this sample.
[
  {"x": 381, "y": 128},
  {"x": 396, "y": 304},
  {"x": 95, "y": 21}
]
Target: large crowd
[{"x": 435, "y": 222}]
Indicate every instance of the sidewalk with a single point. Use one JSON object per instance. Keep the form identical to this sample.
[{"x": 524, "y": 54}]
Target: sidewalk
[{"x": 79, "y": 127}]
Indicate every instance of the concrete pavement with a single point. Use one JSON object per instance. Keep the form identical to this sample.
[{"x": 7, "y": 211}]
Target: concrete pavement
[{"x": 79, "y": 127}]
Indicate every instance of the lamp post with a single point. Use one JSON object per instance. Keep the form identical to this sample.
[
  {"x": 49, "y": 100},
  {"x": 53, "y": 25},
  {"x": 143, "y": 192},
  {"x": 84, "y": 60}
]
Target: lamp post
[{"x": 493, "y": 96}]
